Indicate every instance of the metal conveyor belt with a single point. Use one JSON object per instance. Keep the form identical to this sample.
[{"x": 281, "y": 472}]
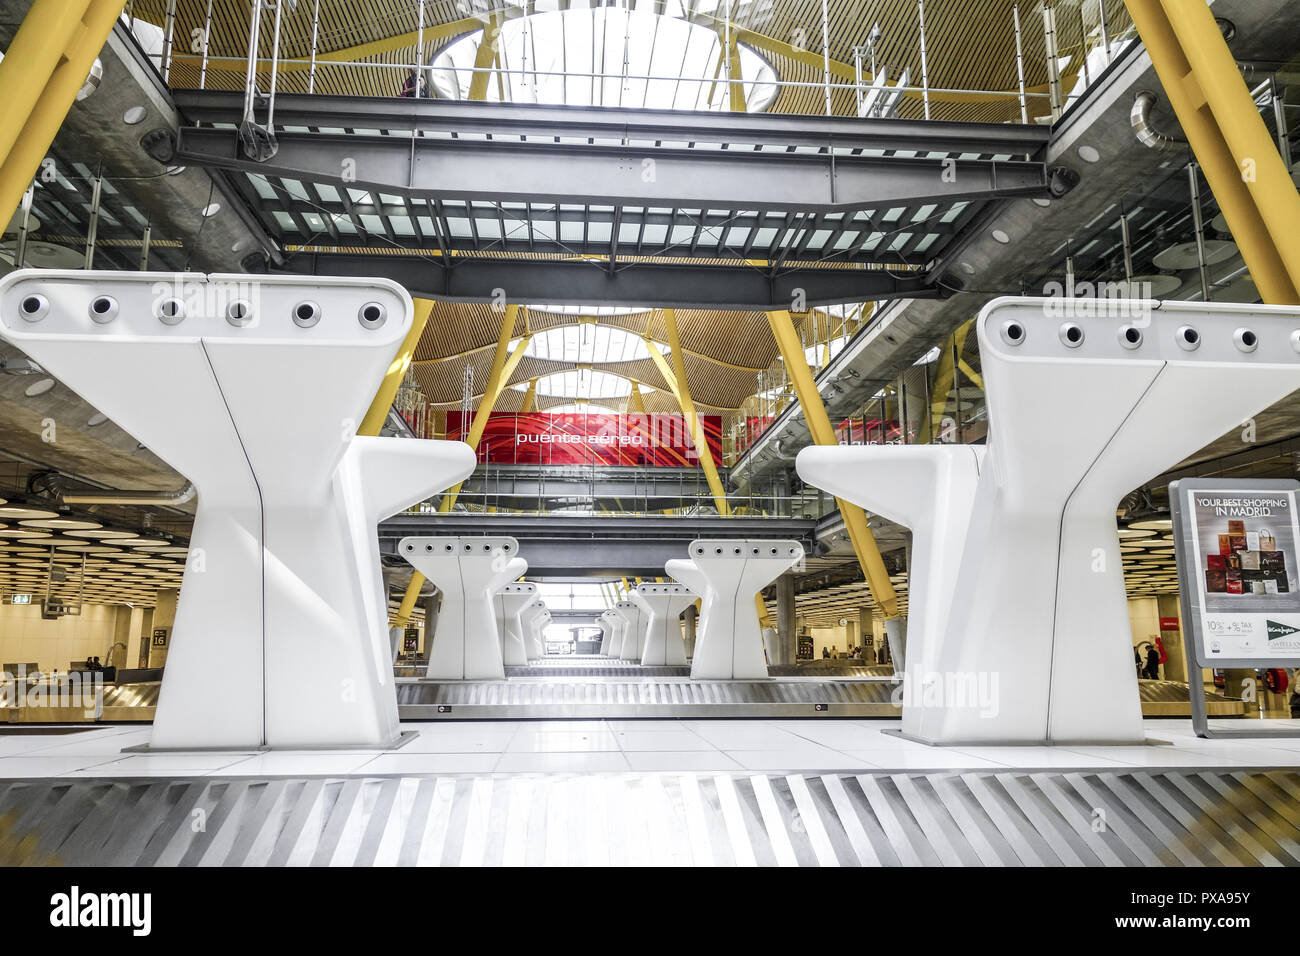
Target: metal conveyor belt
[
  {"x": 952, "y": 818},
  {"x": 618, "y": 695}
]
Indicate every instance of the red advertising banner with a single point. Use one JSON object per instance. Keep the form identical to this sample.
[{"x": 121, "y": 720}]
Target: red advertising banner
[{"x": 601, "y": 438}]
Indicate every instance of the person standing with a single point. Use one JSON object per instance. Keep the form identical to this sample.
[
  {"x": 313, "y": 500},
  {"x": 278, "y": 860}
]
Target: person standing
[{"x": 1152, "y": 671}]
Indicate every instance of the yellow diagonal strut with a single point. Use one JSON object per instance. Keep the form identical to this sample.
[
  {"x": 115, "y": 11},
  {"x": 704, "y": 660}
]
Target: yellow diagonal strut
[
  {"x": 1231, "y": 142},
  {"x": 676, "y": 380},
  {"x": 504, "y": 362},
  {"x": 43, "y": 69},
  {"x": 819, "y": 424}
]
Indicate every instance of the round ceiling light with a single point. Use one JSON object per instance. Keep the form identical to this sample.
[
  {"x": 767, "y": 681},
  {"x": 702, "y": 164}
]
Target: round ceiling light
[
  {"x": 1152, "y": 524},
  {"x": 70, "y": 524},
  {"x": 19, "y": 513},
  {"x": 98, "y": 532},
  {"x": 39, "y": 387},
  {"x": 143, "y": 544}
]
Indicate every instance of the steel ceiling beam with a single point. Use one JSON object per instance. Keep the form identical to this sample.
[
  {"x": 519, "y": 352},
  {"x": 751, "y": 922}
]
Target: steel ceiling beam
[
  {"x": 293, "y": 110},
  {"x": 495, "y": 171},
  {"x": 587, "y": 282}
]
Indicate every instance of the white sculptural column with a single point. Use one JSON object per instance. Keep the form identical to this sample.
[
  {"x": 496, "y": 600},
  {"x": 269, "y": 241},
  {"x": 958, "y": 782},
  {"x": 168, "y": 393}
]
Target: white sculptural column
[
  {"x": 469, "y": 571},
  {"x": 930, "y": 490},
  {"x": 283, "y": 586},
  {"x": 684, "y": 572},
  {"x": 510, "y": 601},
  {"x": 530, "y": 619},
  {"x": 633, "y": 630},
  {"x": 540, "y": 623},
  {"x": 661, "y": 605},
  {"x": 730, "y": 643},
  {"x": 606, "y": 629},
  {"x": 1033, "y": 621}
]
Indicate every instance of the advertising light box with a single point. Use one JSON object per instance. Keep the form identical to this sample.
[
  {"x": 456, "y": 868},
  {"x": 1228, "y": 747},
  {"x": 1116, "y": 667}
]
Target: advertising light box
[
  {"x": 1238, "y": 569},
  {"x": 596, "y": 438}
]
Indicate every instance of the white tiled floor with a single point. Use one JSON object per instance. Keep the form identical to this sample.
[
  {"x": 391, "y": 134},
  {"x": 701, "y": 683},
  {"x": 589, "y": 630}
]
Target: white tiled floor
[{"x": 621, "y": 746}]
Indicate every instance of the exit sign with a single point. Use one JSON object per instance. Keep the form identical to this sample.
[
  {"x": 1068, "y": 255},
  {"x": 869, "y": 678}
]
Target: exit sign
[{"x": 20, "y": 599}]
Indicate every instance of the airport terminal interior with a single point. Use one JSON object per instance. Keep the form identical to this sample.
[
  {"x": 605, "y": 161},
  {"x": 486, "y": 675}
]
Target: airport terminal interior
[{"x": 681, "y": 432}]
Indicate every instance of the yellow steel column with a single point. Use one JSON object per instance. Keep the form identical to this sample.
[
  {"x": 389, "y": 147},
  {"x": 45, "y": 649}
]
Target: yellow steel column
[
  {"x": 687, "y": 405},
  {"x": 819, "y": 423},
  {"x": 484, "y": 56},
  {"x": 45, "y": 66},
  {"x": 530, "y": 397},
  {"x": 764, "y": 618},
  {"x": 407, "y": 607},
  {"x": 504, "y": 363},
  {"x": 501, "y": 369},
  {"x": 1231, "y": 142},
  {"x": 735, "y": 87},
  {"x": 378, "y": 411},
  {"x": 638, "y": 400},
  {"x": 944, "y": 375}
]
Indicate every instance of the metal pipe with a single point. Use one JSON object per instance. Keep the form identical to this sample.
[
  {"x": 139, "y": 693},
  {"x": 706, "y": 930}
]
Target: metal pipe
[
  {"x": 1020, "y": 66},
  {"x": 169, "y": 30},
  {"x": 275, "y": 67},
  {"x": 315, "y": 33},
  {"x": 1105, "y": 31},
  {"x": 250, "y": 76},
  {"x": 1143, "y": 128},
  {"x": 1128, "y": 250},
  {"x": 1199, "y": 226},
  {"x": 144, "y": 247},
  {"x": 24, "y": 226},
  {"x": 207, "y": 42},
  {"x": 1053, "y": 67},
  {"x": 826, "y": 55},
  {"x": 925, "y": 73},
  {"x": 1083, "y": 50},
  {"x": 92, "y": 228},
  {"x": 1279, "y": 116},
  {"x": 161, "y": 498},
  {"x": 419, "y": 50},
  {"x": 857, "y": 75}
]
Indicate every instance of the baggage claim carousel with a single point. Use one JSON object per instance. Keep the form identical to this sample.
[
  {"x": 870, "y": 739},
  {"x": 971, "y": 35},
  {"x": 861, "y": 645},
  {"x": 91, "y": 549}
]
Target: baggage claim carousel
[{"x": 596, "y": 687}]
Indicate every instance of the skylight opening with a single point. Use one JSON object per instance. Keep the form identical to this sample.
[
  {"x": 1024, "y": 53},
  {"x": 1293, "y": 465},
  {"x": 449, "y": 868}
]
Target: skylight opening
[
  {"x": 580, "y": 383},
  {"x": 607, "y": 56},
  {"x": 589, "y": 344},
  {"x": 595, "y": 311}
]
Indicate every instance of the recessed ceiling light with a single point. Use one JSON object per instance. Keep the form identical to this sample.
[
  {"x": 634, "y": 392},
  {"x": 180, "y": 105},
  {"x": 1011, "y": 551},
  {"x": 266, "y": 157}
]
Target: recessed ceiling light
[
  {"x": 1089, "y": 154},
  {"x": 134, "y": 115},
  {"x": 38, "y": 387},
  {"x": 967, "y": 268},
  {"x": 60, "y": 523},
  {"x": 19, "y": 512},
  {"x": 96, "y": 419},
  {"x": 1000, "y": 236},
  {"x": 1153, "y": 524},
  {"x": 1042, "y": 202},
  {"x": 211, "y": 209}
]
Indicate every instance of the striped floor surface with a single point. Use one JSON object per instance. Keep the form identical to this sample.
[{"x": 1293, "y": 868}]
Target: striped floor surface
[{"x": 975, "y": 818}]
